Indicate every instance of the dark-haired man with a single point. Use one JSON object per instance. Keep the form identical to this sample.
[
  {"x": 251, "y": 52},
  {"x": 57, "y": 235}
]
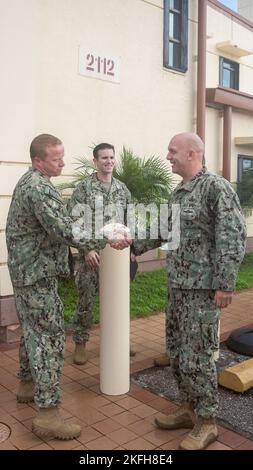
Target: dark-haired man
[{"x": 106, "y": 197}]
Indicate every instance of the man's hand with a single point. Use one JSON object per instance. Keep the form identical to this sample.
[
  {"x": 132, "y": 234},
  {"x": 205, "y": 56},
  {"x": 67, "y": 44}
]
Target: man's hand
[
  {"x": 118, "y": 235},
  {"x": 223, "y": 298},
  {"x": 92, "y": 259},
  {"x": 120, "y": 242}
]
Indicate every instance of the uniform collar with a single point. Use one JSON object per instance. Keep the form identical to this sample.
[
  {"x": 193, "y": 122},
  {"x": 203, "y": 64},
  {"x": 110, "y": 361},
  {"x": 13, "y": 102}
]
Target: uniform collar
[
  {"x": 35, "y": 170},
  {"x": 189, "y": 185},
  {"x": 99, "y": 184}
]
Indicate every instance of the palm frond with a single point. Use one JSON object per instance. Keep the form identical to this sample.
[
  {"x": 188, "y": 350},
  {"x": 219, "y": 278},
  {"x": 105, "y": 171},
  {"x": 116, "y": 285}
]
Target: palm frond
[
  {"x": 68, "y": 185},
  {"x": 85, "y": 169},
  {"x": 149, "y": 180}
]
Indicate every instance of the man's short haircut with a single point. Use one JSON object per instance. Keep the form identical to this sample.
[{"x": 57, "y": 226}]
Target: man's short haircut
[
  {"x": 102, "y": 146},
  {"x": 38, "y": 147}
]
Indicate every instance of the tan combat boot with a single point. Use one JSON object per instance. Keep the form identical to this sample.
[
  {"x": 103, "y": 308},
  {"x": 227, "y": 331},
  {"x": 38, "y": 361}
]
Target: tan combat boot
[
  {"x": 80, "y": 354},
  {"x": 49, "y": 424},
  {"x": 184, "y": 417},
  {"x": 25, "y": 392},
  {"x": 204, "y": 433},
  {"x": 162, "y": 361}
]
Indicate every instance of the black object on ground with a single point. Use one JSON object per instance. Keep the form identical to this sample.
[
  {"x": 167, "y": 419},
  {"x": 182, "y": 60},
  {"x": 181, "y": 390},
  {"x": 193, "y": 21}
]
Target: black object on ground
[
  {"x": 241, "y": 341},
  {"x": 133, "y": 269},
  {"x": 235, "y": 409}
]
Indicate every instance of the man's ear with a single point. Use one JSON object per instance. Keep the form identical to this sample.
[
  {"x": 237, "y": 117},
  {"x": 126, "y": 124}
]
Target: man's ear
[
  {"x": 37, "y": 160},
  {"x": 191, "y": 154}
]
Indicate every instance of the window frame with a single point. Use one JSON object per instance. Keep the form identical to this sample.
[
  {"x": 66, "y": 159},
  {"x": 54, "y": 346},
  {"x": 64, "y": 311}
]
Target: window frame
[
  {"x": 183, "y": 37},
  {"x": 236, "y": 69},
  {"x": 240, "y": 159}
]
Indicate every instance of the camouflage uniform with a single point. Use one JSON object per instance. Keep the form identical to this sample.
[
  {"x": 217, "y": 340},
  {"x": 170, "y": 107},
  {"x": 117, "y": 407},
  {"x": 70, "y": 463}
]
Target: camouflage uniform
[
  {"x": 211, "y": 248},
  {"x": 117, "y": 197},
  {"x": 40, "y": 313},
  {"x": 38, "y": 229}
]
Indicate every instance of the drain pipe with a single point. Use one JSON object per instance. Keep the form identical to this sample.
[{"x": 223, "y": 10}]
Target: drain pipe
[
  {"x": 227, "y": 129},
  {"x": 201, "y": 73}
]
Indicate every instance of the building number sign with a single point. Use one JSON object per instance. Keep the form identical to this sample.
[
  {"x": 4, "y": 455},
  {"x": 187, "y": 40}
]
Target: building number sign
[{"x": 99, "y": 65}]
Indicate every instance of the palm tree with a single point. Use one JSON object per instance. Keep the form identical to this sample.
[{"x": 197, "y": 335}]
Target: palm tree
[
  {"x": 85, "y": 169},
  {"x": 148, "y": 180}
]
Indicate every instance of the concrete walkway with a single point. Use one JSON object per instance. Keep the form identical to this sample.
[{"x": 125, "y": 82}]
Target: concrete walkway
[{"x": 109, "y": 422}]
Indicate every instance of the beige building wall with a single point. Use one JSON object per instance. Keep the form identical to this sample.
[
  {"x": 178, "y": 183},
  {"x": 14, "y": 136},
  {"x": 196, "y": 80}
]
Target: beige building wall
[
  {"x": 245, "y": 8},
  {"x": 42, "y": 91},
  {"x": 221, "y": 28}
]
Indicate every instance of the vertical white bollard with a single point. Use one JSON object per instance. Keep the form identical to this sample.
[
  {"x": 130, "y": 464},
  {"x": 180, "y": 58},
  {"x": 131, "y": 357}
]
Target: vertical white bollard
[{"x": 114, "y": 284}]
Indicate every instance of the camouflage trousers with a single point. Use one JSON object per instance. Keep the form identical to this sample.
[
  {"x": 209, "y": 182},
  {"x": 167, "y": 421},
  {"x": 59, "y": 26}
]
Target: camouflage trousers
[
  {"x": 42, "y": 342},
  {"x": 87, "y": 283},
  {"x": 192, "y": 338}
]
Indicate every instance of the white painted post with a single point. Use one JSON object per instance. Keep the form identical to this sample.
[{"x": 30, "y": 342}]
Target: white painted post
[{"x": 114, "y": 281}]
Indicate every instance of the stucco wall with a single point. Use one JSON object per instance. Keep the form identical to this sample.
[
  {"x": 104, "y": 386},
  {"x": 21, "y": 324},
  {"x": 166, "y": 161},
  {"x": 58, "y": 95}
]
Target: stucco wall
[
  {"x": 221, "y": 28},
  {"x": 42, "y": 91}
]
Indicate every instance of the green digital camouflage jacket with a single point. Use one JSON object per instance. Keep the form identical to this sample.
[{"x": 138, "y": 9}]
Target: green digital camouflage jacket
[
  {"x": 211, "y": 242},
  {"x": 38, "y": 231},
  {"x": 98, "y": 206}
]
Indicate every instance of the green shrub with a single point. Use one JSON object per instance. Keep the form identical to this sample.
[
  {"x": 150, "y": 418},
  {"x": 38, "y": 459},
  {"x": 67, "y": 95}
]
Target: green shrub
[{"x": 148, "y": 292}]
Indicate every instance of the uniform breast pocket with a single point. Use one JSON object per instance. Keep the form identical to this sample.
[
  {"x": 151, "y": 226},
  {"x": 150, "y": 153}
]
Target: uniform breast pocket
[
  {"x": 190, "y": 212},
  {"x": 189, "y": 222},
  {"x": 191, "y": 236}
]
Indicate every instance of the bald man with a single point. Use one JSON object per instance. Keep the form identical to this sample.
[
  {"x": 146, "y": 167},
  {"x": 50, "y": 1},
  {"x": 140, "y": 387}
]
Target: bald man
[{"x": 202, "y": 275}]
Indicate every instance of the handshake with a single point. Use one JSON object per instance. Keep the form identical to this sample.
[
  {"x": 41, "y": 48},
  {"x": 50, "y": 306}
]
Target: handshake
[{"x": 118, "y": 235}]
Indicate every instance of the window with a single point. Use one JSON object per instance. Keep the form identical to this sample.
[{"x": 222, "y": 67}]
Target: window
[
  {"x": 175, "y": 34},
  {"x": 245, "y": 167},
  {"x": 245, "y": 180},
  {"x": 229, "y": 73}
]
